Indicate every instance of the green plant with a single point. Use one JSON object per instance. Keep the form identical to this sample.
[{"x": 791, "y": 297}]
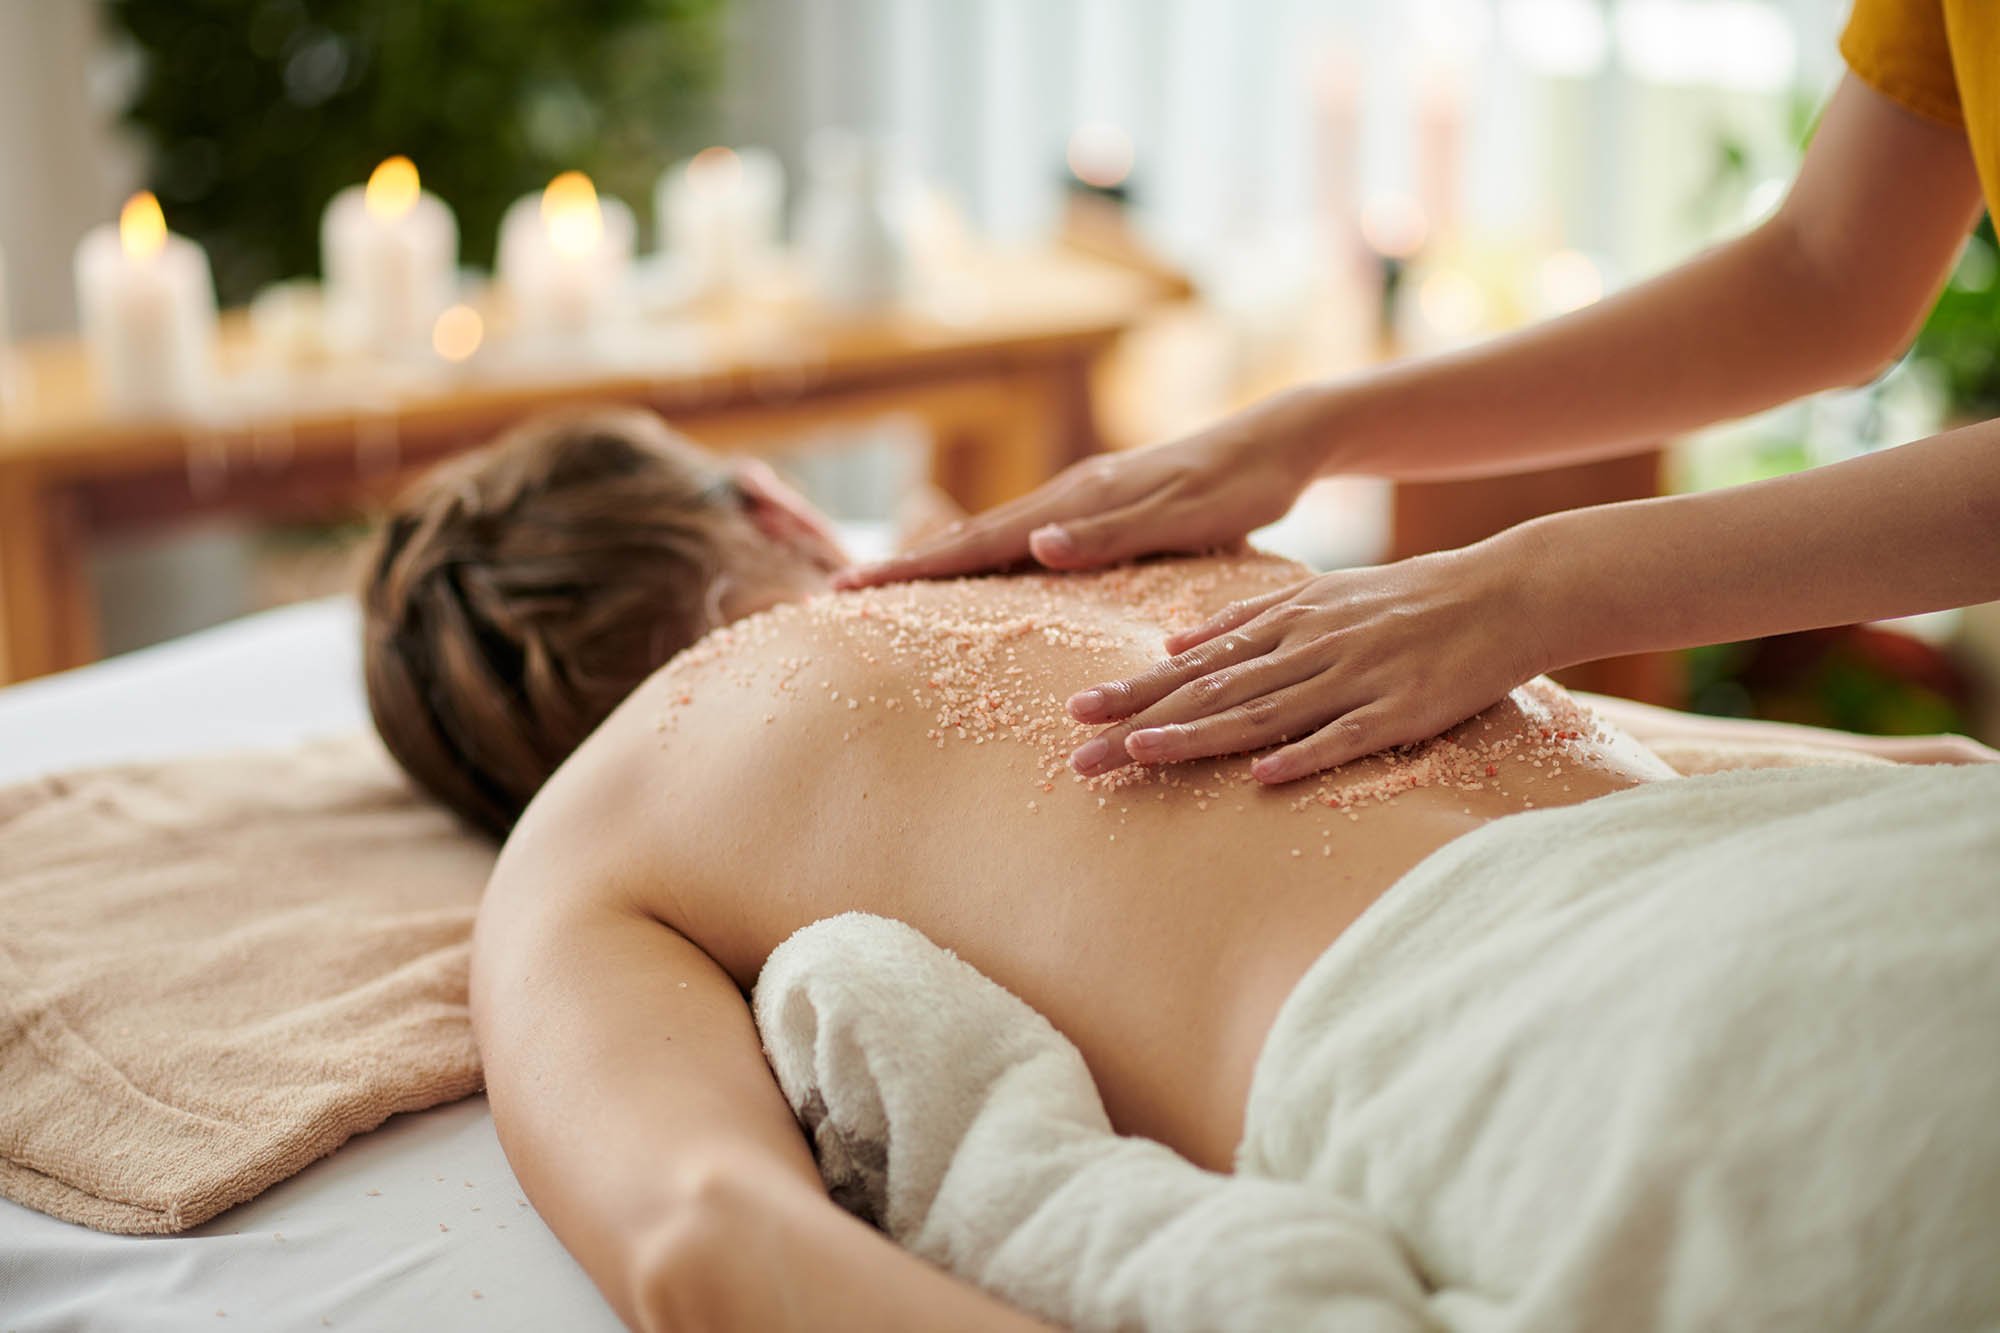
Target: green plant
[
  {"x": 1854, "y": 678},
  {"x": 256, "y": 112},
  {"x": 1961, "y": 338}
]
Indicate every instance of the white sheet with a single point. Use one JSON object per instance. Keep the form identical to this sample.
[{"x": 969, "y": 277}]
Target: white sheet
[
  {"x": 265, "y": 680},
  {"x": 419, "y": 1225}
]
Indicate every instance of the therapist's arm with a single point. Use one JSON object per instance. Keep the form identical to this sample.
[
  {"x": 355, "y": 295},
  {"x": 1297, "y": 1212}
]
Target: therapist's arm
[
  {"x": 1894, "y": 533},
  {"x": 1656, "y": 726},
  {"x": 634, "y": 1104},
  {"x": 1352, "y": 662},
  {"x": 1828, "y": 291}
]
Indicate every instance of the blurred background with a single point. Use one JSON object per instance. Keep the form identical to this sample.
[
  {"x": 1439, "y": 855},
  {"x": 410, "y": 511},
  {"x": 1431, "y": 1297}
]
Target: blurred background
[{"x": 1289, "y": 188}]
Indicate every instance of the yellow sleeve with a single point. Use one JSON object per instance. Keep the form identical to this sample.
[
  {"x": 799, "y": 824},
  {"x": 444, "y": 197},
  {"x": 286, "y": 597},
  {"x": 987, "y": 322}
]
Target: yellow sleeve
[{"x": 1901, "y": 50}]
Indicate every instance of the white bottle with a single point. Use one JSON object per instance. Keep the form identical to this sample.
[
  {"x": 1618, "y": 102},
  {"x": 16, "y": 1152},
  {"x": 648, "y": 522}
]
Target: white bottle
[{"x": 851, "y": 248}]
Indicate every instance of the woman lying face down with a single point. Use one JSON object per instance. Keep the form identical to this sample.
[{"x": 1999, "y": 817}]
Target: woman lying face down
[
  {"x": 742, "y": 753},
  {"x": 520, "y": 593}
]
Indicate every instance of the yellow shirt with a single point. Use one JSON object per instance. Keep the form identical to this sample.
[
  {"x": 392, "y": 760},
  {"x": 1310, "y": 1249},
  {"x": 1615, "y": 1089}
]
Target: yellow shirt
[{"x": 1940, "y": 59}]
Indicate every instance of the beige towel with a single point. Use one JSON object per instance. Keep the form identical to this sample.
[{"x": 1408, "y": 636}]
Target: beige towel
[{"x": 215, "y": 971}]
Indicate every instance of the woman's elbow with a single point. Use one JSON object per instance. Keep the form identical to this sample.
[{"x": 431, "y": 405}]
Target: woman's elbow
[
  {"x": 687, "y": 1268},
  {"x": 672, "y": 1287},
  {"x": 1851, "y": 328},
  {"x": 1871, "y": 350}
]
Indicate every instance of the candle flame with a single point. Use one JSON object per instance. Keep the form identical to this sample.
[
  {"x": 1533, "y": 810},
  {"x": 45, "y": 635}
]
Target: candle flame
[
  {"x": 142, "y": 228},
  {"x": 570, "y": 213},
  {"x": 458, "y": 333},
  {"x": 393, "y": 188},
  {"x": 715, "y": 169},
  {"x": 1100, "y": 155}
]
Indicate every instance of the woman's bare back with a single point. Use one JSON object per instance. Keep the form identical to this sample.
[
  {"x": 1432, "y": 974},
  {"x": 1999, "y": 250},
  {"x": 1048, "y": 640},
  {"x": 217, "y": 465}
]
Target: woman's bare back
[{"x": 902, "y": 751}]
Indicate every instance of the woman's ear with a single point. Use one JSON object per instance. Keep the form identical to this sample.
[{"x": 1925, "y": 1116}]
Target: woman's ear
[{"x": 782, "y": 514}]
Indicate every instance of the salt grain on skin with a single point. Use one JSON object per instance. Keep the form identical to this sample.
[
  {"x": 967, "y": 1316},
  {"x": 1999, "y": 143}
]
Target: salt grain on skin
[{"x": 961, "y": 657}]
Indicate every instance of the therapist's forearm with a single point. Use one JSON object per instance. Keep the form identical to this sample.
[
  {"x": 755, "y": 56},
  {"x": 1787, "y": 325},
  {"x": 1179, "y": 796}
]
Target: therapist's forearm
[
  {"x": 1741, "y": 328},
  {"x": 1826, "y": 292},
  {"x": 1903, "y": 531}
]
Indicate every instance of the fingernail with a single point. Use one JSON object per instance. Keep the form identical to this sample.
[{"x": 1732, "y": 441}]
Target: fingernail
[
  {"x": 1150, "y": 741},
  {"x": 1090, "y": 755},
  {"x": 1084, "y": 703},
  {"x": 1268, "y": 769},
  {"x": 1054, "y": 540}
]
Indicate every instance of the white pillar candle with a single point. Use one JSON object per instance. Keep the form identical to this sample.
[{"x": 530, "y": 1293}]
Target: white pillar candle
[
  {"x": 720, "y": 213},
  {"x": 389, "y": 251},
  {"x": 566, "y": 260},
  {"x": 147, "y": 306}
]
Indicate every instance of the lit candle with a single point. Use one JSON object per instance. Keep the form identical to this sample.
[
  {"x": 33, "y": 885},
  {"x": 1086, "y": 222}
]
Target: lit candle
[
  {"x": 566, "y": 259},
  {"x": 389, "y": 250},
  {"x": 147, "y": 306},
  {"x": 720, "y": 213}
]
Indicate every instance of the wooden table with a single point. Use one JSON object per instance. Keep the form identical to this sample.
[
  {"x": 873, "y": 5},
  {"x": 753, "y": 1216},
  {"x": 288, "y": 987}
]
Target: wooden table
[{"x": 1001, "y": 380}]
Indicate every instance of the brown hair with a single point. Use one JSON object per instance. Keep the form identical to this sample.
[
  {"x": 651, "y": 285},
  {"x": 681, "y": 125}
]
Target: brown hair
[{"x": 518, "y": 594}]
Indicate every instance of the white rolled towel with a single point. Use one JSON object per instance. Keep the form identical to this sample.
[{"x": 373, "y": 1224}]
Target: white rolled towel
[{"x": 953, "y": 1116}]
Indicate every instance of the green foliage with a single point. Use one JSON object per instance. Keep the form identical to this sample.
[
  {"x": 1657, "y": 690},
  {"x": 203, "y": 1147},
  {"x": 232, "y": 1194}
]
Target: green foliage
[
  {"x": 1825, "y": 678},
  {"x": 257, "y": 111},
  {"x": 1961, "y": 339}
]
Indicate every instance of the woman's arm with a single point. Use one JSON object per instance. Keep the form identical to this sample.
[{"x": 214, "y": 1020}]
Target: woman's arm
[
  {"x": 1895, "y": 533},
  {"x": 633, "y": 1101},
  {"x": 1663, "y": 726},
  {"x": 1826, "y": 292},
  {"x": 1352, "y": 662}
]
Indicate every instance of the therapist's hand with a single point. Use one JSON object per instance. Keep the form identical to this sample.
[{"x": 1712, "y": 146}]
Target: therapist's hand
[
  {"x": 1199, "y": 493},
  {"x": 1340, "y": 666}
]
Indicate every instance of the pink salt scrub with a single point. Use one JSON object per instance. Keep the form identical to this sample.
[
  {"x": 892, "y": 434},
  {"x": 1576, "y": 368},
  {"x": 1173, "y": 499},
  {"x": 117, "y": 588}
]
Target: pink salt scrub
[{"x": 960, "y": 644}]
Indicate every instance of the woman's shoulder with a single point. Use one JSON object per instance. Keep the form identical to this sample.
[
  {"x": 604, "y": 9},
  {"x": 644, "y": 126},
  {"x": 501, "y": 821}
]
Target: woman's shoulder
[{"x": 731, "y": 724}]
